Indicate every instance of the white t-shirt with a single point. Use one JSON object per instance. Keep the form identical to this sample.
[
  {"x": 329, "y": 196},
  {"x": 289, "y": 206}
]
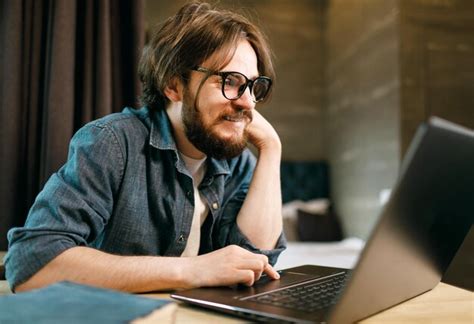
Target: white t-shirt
[{"x": 197, "y": 168}]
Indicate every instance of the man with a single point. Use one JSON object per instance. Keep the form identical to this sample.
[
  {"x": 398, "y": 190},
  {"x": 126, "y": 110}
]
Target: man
[{"x": 167, "y": 196}]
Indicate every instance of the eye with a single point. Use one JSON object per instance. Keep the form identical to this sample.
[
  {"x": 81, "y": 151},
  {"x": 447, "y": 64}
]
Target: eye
[
  {"x": 232, "y": 81},
  {"x": 235, "y": 80},
  {"x": 260, "y": 88}
]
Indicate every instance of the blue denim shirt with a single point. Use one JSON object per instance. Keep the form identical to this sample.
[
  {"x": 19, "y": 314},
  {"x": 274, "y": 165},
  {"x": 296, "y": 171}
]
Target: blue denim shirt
[{"x": 125, "y": 190}]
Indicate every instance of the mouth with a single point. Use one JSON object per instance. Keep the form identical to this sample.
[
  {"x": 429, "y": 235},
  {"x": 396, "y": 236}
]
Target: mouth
[
  {"x": 238, "y": 117},
  {"x": 234, "y": 119}
]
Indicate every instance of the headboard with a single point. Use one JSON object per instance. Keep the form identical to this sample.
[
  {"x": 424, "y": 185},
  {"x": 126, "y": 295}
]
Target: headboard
[{"x": 304, "y": 180}]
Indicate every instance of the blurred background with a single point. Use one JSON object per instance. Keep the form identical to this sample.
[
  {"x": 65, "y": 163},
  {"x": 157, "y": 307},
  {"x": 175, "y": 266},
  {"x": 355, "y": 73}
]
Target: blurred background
[{"x": 354, "y": 80}]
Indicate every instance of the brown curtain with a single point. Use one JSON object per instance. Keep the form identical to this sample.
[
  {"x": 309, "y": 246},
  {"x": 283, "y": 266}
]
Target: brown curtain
[{"x": 62, "y": 64}]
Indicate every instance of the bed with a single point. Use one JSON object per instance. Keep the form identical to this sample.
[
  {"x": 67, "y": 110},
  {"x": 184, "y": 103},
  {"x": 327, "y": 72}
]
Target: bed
[{"x": 310, "y": 223}]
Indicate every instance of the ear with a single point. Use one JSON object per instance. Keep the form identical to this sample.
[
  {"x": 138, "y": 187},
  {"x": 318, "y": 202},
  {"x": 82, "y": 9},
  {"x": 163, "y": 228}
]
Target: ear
[{"x": 174, "y": 90}]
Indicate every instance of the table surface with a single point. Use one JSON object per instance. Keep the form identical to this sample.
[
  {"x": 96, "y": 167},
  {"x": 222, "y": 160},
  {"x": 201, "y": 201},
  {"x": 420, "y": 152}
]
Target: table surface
[{"x": 443, "y": 304}]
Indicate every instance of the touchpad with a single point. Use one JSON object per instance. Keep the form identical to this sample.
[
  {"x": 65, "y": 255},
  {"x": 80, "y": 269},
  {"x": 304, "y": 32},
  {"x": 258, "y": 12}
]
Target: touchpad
[{"x": 287, "y": 278}]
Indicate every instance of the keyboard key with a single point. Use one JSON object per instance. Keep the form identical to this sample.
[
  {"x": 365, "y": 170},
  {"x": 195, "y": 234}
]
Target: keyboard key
[{"x": 308, "y": 297}]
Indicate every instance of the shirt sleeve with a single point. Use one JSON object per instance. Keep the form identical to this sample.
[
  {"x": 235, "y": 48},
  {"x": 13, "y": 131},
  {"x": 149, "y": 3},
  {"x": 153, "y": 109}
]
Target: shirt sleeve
[
  {"x": 73, "y": 207},
  {"x": 238, "y": 186}
]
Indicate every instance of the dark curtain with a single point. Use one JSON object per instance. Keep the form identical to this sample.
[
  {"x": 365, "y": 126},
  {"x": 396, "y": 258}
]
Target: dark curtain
[{"x": 62, "y": 63}]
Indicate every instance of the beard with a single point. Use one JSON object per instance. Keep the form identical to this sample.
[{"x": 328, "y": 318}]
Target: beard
[{"x": 206, "y": 139}]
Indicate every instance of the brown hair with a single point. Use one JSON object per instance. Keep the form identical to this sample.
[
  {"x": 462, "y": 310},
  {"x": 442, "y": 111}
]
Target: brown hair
[{"x": 190, "y": 37}]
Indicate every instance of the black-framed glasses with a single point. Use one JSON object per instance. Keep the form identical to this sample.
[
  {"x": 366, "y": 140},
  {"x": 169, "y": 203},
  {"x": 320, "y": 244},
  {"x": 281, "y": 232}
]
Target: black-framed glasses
[{"x": 234, "y": 84}]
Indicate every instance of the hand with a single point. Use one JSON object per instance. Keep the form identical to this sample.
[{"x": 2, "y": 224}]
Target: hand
[
  {"x": 229, "y": 266},
  {"x": 262, "y": 134}
]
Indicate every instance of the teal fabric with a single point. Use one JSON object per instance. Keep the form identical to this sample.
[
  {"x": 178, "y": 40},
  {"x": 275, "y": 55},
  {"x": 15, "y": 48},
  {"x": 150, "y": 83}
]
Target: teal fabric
[{"x": 66, "y": 302}]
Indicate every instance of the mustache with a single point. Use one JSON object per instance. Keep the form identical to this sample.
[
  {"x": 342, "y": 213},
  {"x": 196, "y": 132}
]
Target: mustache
[{"x": 238, "y": 115}]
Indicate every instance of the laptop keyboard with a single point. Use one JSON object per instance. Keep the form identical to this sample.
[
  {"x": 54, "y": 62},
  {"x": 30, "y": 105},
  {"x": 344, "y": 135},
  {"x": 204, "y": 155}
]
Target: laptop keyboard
[{"x": 309, "y": 297}]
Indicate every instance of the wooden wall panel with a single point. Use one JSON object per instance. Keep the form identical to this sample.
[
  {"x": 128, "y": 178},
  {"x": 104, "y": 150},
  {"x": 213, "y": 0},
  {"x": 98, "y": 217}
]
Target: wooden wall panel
[
  {"x": 361, "y": 126},
  {"x": 437, "y": 63}
]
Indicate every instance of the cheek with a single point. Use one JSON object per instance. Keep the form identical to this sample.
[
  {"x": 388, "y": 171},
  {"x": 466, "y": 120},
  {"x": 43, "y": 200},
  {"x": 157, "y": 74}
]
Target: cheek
[{"x": 211, "y": 107}]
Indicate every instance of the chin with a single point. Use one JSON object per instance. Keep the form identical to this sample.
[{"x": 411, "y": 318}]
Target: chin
[
  {"x": 232, "y": 137},
  {"x": 230, "y": 133}
]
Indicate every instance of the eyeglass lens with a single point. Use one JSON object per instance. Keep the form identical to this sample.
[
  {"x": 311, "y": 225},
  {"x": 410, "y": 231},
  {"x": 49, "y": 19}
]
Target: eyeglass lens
[
  {"x": 260, "y": 88},
  {"x": 235, "y": 84}
]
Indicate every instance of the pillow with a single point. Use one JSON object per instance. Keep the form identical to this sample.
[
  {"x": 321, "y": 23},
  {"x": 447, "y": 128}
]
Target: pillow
[{"x": 318, "y": 226}]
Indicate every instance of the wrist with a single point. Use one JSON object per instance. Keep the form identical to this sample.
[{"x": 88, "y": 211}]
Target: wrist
[
  {"x": 187, "y": 276},
  {"x": 271, "y": 147}
]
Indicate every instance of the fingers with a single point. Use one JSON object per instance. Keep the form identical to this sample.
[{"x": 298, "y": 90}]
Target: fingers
[
  {"x": 234, "y": 265},
  {"x": 259, "y": 264},
  {"x": 271, "y": 272},
  {"x": 246, "y": 277},
  {"x": 261, "y": 132},
  {"x": 250, "y": 276}
]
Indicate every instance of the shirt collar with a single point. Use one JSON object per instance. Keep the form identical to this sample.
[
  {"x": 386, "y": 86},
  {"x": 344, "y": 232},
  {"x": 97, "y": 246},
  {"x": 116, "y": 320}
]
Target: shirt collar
[
  {"x": 161, "y": 137},
  {"x": 161, "y": 134}
]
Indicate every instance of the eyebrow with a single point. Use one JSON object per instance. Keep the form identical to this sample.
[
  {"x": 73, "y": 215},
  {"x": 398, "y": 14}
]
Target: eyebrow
[
  {"x": 218, "y": 72},
  {"x": 250, "y": 78}
]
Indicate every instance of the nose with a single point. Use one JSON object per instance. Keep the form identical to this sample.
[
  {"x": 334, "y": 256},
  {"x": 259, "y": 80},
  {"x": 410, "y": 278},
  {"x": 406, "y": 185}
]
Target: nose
[{"x": 245, "y": 101}]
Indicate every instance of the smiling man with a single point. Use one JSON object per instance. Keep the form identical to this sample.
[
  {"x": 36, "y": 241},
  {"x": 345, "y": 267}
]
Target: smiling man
[{"x": 167, "y": 196}]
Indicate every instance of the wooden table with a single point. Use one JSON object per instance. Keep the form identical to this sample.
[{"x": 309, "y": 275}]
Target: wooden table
[{"x": 443, "y": 304}]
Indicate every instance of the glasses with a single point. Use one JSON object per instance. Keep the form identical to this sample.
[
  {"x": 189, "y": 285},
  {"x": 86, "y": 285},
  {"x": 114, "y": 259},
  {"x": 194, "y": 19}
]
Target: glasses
[{"x": 234, "y": 84}]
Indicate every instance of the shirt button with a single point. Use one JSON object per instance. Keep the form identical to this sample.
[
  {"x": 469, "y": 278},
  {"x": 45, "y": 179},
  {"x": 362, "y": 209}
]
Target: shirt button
[
  {"x": 215, "y": 206},
  {"x": 181, "y": 238},
  {"x": 189, "y": 193}
]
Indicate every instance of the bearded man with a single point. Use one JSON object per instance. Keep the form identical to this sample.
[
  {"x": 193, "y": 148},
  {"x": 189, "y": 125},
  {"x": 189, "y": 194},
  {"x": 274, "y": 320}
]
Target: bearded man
[{"x": 167, "y": 196}]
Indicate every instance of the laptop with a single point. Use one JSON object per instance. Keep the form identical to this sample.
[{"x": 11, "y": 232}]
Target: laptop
[{"x": 422, "y": 225}]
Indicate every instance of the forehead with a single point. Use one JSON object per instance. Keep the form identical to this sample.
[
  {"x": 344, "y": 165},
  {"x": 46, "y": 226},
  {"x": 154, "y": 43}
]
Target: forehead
[{"x": 244, "y": 60}]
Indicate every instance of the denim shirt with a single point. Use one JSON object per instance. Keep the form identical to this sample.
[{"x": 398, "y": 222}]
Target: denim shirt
[{"x": 125, "y": 190}]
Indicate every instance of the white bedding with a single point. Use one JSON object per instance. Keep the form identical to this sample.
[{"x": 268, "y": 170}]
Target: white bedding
[{"x": 343, "y": 254}]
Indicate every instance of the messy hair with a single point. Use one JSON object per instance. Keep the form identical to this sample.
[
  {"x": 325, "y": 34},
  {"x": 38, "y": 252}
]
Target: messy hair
[{"x": 187, "y": 39}]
